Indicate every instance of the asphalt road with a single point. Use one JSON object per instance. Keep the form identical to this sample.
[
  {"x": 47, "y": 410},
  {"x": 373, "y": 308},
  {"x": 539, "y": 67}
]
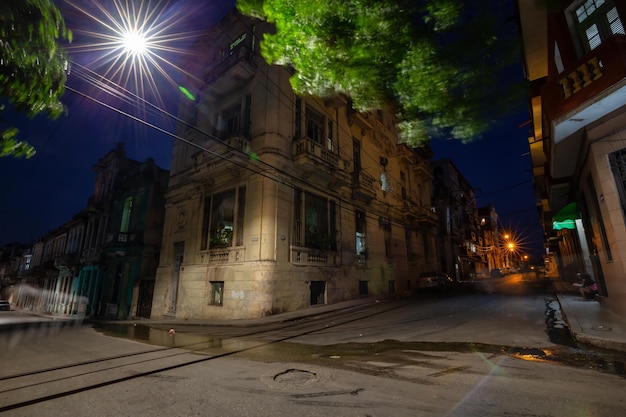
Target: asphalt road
[{"x": 476, "y": 353}]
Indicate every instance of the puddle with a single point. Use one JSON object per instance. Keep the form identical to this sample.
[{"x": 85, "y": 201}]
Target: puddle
[
  {"x": 391, "y": 351},
  {"x": 161, "y": 336}
]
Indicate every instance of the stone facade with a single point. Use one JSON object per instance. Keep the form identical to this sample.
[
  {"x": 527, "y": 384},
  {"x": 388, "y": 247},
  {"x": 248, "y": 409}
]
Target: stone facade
[{"x": 277, "y": 201}]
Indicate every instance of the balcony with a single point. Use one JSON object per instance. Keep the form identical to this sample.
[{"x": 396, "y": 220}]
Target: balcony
[
  {"x": 222, "y": 153},
  {"x": 68, "y": 260},
  {"x": 422, "y": 169},
  {"x": 224, "y": 255},
  {"x": 124, "y": 239},
  {"x": 361, "y": 120},
  {"x": 313, "y": 159},
  {"x": 587, "y": 90},
  {"x": 427, "y": 217},
  {"x": 405, "y": 154},
  {"x": 312, "y": 257},
  {"x": 363, "y": 187},
  {"x": 232, "y": 73},
  {"x": 584, "y": 80}
]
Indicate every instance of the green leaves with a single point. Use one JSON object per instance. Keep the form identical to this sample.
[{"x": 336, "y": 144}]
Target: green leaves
[
  {"x": 32, "y": 67},
  {"x": 10, "y": 146},
  {"x": 436, "y": 61}
]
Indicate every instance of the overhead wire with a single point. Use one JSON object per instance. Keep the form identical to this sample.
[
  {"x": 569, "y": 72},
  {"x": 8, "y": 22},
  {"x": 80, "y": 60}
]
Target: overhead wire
[{"x": 128, "y": 97}]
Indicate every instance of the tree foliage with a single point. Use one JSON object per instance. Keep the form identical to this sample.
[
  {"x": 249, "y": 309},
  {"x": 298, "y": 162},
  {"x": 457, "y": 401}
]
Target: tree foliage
[
  {"x": 435, "y": 62},
  {"x": 33, "y": 69}
]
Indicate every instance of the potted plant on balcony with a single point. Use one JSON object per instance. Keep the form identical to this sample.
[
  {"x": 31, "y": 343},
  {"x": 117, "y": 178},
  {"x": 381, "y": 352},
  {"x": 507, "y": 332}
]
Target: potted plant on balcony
[
  {"x": 316, "y": 240},
  {"x": 222, "y": 237}
]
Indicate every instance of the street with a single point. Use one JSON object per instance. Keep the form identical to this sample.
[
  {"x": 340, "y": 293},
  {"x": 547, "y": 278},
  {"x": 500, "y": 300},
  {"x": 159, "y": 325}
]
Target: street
[{"x": 477, "y": 352}]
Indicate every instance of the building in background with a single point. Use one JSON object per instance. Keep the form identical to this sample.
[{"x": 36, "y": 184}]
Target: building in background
[
  {"x": 460, "y": 243},
  {"x": 492, "y": 240},
  {"x": 133, "y": 241},
  {"x": 277, "y": 202},
  {"x": 103, "y": 261},
  {"x": 575, "y": 59}
]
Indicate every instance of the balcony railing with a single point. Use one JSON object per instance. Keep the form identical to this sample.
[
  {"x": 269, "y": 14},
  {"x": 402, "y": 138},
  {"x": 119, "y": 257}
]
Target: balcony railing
[
  {"x": 233, "y": 72},
  {"x": 313, "y": 157},
  {"x": 224, "y": 255},
  {"x": 307, "y": 256},
  {"x": 235, "y": 146},
  {"x": 363, "y": 186},
  {"x": 405, "y": 153},
  {"x": 124, "y": 239},
  {"x": 585, "y": 78}
]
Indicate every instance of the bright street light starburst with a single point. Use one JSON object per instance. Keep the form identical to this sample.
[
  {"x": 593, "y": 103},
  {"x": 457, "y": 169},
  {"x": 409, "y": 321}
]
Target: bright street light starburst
[{"x": 132, "y": 44}]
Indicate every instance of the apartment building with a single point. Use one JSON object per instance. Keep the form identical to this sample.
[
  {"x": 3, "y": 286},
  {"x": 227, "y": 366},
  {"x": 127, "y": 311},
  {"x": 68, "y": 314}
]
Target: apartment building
[
  {"x": 460, "y": 241},
  {"x": 575, "y": 59},
  {"x": 278, "y": 201}
]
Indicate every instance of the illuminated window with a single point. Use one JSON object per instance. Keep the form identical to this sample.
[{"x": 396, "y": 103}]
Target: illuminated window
[
  {"x": 223, "y": 219},
  {"x": 127, "y": 212},
  {"x": 361, "y": 246}
]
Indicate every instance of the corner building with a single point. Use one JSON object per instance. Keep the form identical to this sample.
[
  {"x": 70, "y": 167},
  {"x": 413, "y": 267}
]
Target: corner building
[{"x": 277, "y": 201}]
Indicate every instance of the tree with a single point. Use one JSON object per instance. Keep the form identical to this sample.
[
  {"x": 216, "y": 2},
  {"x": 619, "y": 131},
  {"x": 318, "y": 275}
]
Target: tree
[
  {"x": 436, "y": 63},
  {"x": 33, "y": 68}
]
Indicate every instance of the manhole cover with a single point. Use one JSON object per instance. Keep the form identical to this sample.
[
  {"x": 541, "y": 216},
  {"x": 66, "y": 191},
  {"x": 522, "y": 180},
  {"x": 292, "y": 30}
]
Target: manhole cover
[{"x": 295, "y": 377}]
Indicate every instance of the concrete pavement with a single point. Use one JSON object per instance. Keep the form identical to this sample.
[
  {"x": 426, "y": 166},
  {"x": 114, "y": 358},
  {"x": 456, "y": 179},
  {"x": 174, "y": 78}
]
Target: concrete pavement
[{"x": 589, "y": 322}]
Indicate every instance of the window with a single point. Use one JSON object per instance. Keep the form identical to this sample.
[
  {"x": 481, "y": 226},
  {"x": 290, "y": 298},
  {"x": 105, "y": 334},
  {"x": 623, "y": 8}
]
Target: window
[
  {"x": 298, "y": 117},
  {"x": 232, "y": 120},
  {"x": 314, "y": 126},
  {"x": 329, "y": 140},
  {"x": 385, "y": 224},
  {"x": 596, "y": 20},
  {"x": 235, "y": 119},
  {"x": 361, "y": 247},
  {"x": 356, "y": 157},
  {"x": 127, "y": 211},
  {"x": 408, "y": 238},
  {"x": 223, "y": 219},
  {"x": 314, "y": 221},
  {"x": 217, "y": 290}
]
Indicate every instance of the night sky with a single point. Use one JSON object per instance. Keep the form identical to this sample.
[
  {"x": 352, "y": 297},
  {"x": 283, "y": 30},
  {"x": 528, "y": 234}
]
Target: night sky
[{"x": 44, "y": 192}]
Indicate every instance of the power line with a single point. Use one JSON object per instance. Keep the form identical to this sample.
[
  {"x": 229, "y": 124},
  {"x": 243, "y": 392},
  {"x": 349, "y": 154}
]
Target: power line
[{"x": 129, "y": 97}]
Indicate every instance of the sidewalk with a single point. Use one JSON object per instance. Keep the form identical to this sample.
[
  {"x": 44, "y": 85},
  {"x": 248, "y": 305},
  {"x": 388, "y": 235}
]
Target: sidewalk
[{"x": 590, "y": 322}]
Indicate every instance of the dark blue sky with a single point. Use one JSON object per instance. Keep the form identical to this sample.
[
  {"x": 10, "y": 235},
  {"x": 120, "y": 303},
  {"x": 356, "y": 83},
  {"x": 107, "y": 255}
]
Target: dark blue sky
[{"x": 42, "y": 193}]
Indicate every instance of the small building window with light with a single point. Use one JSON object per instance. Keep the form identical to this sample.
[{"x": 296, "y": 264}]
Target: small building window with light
[{"x": 127, "y": 212}]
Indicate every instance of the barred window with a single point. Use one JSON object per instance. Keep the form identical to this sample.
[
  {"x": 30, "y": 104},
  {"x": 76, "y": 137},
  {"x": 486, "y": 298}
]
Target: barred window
[
  {"x": 596, "y": 20},
  {"x": 617, "y": 161}
]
